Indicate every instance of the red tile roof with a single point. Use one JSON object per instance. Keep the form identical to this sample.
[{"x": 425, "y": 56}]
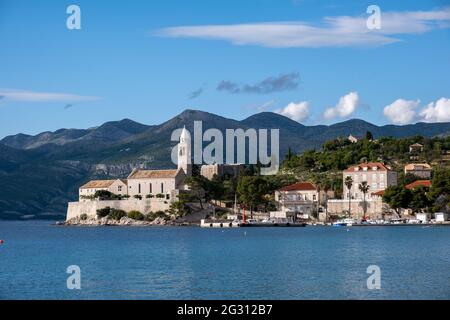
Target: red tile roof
[
  {"x": 369, "y": 166},
  {"x": 378, "y": 193},
  {"x": 299, "y": 186},
  {"x": 152, "y": 174},
  {"x": 100, "y": 184},
  {"x": 418, "y": 166},
  {"x": 419, "y": 183}
]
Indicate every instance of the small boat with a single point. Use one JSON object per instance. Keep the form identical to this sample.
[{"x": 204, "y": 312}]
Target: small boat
[
  {"x": 347, "y": 222},
  {"x": 272, "y": 223},
  {"x": 397, "y": 221}
]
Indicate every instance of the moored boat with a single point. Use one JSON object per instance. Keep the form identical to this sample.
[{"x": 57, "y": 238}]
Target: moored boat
[
  {"x": 271, "y": 223},
  {"x": 347, "y": 222}
]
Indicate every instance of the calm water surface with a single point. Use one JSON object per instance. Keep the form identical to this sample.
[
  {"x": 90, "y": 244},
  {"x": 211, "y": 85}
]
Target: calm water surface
[{"x": 194, "y": 263}]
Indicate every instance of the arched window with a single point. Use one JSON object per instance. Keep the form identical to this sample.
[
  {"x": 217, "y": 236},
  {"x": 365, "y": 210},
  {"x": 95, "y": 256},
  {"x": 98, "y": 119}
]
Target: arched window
[
  {"x": 150, "y": 187},
  {"x": 139, "y": 188},
  {"x": 162, "y": 187}
]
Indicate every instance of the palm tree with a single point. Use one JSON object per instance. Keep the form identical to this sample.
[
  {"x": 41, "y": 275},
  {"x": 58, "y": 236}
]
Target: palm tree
[
  {"x": 326, "y": 188},
  {"x": 349, "y": 183},
  {"x": 318, "y": 188},
  {"x": 364, "y": 188}
]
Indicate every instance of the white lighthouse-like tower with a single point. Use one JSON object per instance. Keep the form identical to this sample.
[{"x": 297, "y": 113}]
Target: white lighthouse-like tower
[{"x": 184, "y": 153}]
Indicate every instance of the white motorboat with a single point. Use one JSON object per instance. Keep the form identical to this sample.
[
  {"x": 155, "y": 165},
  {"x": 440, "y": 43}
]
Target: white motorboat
[{"x": 347, "y": 222}]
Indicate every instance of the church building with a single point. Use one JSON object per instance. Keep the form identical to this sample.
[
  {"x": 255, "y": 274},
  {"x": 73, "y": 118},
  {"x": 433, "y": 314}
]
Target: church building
[{"x": 154, "y": 183}]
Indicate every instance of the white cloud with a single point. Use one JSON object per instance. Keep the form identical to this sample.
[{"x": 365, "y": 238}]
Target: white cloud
[
  {"x": 340, "y": 31},
  {"x": 403, "y": 111},
  {"x": 33, "y": 96},
  {"x": 438, "y": 111},
  {"x": 297, "y": 111},
  {"x": 265, "y": 106},
  {"x": 346, "y": 106}
]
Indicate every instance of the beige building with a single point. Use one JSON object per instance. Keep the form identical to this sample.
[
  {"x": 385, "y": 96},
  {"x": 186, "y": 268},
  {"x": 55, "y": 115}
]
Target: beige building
[
  {"x": 415, "y": 148},
  {"x": 148, "y": 182},
  {"x": 208, "y": 171},
  {"x": 118, "y": 186},
  {"x": 352, "y": 138},
  {"x": 300, "y": 198},
  {"x": 155, "y": 190},
  {"x": 422, "y": 170},
  {"x": 154, "y": 182},
  {"x": 377, "y": 175},
  {"x": 151, "y": 183}
]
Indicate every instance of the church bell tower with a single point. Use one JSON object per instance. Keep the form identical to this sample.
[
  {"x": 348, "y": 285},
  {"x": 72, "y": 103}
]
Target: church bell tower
[{"x": 184, "y": 153}]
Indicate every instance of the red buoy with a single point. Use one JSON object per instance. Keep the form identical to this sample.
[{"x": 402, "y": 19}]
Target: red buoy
[{"x": 1, "y": 241}]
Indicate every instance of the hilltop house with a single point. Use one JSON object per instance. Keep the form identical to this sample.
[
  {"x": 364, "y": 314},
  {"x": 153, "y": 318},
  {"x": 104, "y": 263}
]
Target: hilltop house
[
  {"x": 414, "y": 151},
  {"x": 220, "y": 170},
  {"x": 421, "y": 170},
  {"x": 415, "y": 148},
  {"x": 353, "y": 139}
]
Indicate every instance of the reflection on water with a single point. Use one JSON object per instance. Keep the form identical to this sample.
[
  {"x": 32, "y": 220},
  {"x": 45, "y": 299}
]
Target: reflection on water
[{"x": 194, "y": 263}]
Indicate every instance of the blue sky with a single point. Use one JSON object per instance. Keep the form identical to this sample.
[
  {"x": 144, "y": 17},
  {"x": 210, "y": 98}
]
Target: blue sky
[{"x": 314, "y": 61}]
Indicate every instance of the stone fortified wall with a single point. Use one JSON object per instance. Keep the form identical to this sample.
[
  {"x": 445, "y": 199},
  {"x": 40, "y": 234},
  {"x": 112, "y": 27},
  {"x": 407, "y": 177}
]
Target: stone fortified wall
[
  {"x": 375, "y": 207},
  {"x": 76, "y": 209}
]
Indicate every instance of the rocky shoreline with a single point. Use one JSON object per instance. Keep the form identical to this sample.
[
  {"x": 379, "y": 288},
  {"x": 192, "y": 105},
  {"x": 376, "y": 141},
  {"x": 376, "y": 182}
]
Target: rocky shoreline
[{"x": 124, "y": 221}]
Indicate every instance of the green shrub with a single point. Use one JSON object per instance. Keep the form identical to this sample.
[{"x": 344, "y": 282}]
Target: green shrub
[
  {"x": 158, "y": 214},
  {"x": 135, "y": 215},
  {"x": 149, "y": 196},
  {"x": 103, "y": 212},
  {"x": 106, "y": 195},
  {"x": 116, "y": 214},
  {"x": 160, "y": 195},
  {"x": 83, "y": 216},
  {"x": 138, "y": 196},
  {"x": 91, "y": 197},
  {"x": 103, "y": 194},
  {"x": 179, "y": 209}
]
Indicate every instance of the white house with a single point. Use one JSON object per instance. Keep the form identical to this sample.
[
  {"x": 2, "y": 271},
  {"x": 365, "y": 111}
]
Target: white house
[
  {"x": 117, "y": 186},
  {"x": 422, "y": 170},
  {"x": 352, "y": 138},
  {"x": 300, "y": 198},
  {"x": 441, "y": 216},
  {"x": 423, "y": 217}
]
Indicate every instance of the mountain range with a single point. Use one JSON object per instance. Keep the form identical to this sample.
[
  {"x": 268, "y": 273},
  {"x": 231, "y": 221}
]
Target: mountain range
[{"x": 41, "y": 173}]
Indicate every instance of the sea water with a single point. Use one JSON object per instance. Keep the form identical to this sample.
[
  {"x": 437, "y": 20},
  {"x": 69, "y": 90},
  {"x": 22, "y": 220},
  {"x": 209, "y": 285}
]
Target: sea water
[{"x": 196, "y": 263}]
